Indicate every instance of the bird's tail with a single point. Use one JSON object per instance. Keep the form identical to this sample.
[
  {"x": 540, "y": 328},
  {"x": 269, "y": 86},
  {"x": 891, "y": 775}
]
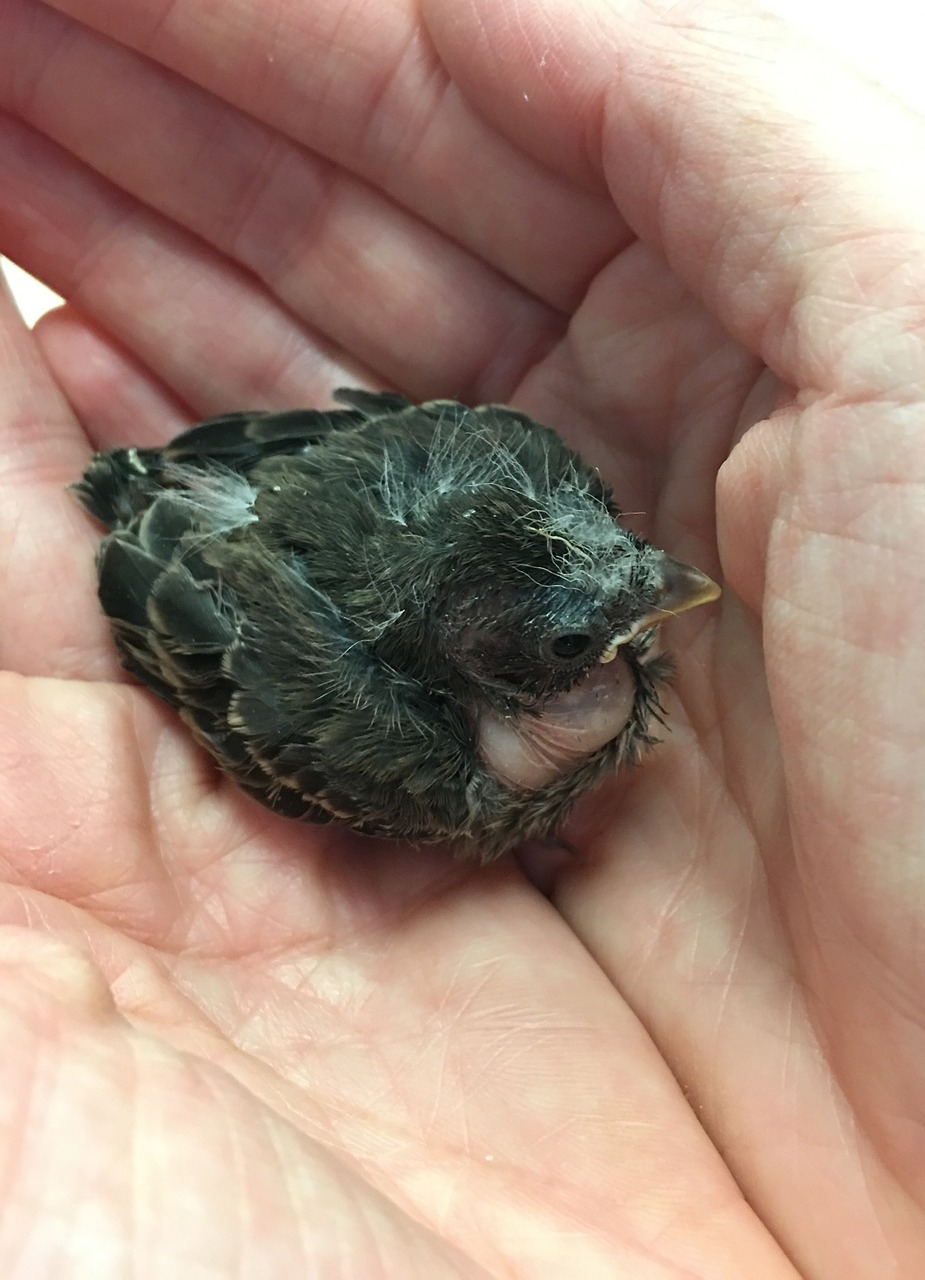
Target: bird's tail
[{"x": 117, "y": 485}]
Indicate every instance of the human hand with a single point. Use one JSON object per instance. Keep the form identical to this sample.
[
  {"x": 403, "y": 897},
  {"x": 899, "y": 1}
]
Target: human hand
[{"x": 703, "y": 1056}]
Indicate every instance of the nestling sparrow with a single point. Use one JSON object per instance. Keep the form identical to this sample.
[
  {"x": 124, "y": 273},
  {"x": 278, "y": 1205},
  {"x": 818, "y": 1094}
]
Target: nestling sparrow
[{"x": 424, "y": 621}]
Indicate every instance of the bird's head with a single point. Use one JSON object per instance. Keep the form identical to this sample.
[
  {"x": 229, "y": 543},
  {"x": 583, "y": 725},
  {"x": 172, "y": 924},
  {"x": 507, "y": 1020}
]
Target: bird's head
[
  {"x": 517, "y": 593},
  {"x": 540, "y": 595},
  {"x": 526, "y": 610}
]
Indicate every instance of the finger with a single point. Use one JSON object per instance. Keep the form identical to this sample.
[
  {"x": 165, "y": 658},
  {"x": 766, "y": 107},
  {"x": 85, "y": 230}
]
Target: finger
[
  {"x": 110, "y": 392},
  {"x": 378, "y": 104},
  {"x": 777, "y": 183},
  {"x": 51, "y": 624},
  {"x": 402, "y": 300}
]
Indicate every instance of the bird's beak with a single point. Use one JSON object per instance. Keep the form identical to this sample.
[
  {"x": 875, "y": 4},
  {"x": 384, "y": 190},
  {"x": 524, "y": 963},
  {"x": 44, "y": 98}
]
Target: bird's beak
[{"x": 683, "y": 587}]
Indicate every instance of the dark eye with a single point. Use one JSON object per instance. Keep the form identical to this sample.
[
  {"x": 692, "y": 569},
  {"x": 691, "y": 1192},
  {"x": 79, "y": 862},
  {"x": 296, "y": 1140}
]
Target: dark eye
[{"x": 569, "y": 645}]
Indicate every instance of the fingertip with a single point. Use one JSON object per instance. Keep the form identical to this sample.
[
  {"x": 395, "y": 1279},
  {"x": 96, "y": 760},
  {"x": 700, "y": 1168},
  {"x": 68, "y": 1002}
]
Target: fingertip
[{"x": 114, "y": 396}]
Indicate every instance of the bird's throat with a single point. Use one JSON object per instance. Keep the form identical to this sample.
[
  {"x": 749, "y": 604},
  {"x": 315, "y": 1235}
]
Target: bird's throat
[{"x": 530, "y": 751}]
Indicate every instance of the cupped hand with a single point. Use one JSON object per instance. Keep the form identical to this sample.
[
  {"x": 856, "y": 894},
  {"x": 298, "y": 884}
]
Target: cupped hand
[{"x": 240, "y": 1046}]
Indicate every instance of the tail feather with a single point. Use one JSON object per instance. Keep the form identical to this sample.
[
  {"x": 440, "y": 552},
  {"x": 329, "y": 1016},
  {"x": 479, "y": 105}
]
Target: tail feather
[{"x": 115, "y": 486}]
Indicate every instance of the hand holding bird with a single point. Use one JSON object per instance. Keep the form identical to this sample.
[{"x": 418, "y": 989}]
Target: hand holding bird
[{"x": 689, "y": 244}]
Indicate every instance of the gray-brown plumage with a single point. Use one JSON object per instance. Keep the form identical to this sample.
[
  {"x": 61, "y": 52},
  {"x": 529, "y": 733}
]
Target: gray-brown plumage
[{"x": 422, "y": 620}]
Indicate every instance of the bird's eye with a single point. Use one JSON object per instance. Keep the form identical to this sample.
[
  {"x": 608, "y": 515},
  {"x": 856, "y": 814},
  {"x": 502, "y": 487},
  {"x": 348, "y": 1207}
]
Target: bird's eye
[{"x": 569, "y": 645}]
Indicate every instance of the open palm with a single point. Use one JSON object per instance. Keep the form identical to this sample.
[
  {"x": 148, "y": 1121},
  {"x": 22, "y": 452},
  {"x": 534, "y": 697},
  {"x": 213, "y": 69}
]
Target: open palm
[{"x": 240, "y": 1046}]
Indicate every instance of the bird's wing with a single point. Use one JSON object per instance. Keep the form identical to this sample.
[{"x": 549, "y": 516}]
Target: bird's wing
[{"x": 239, "y": 439}]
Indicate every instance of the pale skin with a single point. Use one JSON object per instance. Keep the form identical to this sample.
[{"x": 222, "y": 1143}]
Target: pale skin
[{"x": 236, "y": 1046}]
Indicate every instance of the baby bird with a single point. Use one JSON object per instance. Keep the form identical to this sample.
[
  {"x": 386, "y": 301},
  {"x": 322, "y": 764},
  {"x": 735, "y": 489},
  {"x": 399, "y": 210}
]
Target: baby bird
[{"x": 424, "y": 621}]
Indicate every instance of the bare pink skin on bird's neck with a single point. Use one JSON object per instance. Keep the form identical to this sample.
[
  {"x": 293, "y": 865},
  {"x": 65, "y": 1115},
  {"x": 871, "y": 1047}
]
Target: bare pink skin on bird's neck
[{"x": 531, "y": 751}]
